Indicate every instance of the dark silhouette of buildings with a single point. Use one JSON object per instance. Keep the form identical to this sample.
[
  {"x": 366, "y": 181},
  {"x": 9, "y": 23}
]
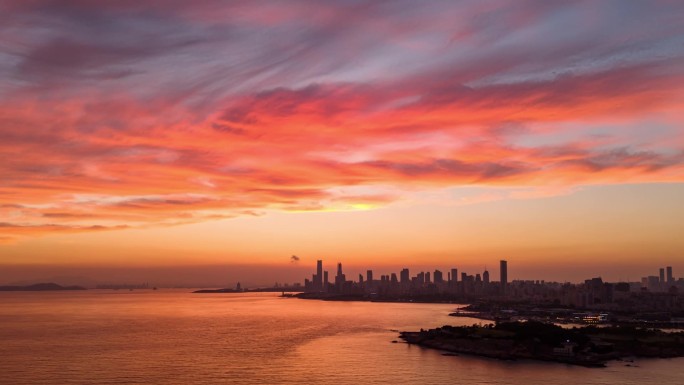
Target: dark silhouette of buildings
[
  {"x": 651, "y": 296},
  {"x": 319, "y": 275},
  {"x": 503, "y": 271}
]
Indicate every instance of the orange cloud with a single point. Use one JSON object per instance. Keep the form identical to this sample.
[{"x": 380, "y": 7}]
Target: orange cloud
[{"x": 99, "y": 132}]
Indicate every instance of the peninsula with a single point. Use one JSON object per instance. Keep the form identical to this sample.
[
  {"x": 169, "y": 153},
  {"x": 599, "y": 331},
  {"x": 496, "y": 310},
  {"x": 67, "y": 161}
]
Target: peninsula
[
  {"x": 587, "y": 346},
  {"x": 41, "y": 287}
]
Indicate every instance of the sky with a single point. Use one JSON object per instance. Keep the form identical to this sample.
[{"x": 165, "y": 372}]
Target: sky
[{"x": 143, "y": 140}]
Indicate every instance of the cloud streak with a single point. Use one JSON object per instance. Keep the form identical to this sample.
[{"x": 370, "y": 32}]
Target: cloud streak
[{"x": 131, "y": 115}]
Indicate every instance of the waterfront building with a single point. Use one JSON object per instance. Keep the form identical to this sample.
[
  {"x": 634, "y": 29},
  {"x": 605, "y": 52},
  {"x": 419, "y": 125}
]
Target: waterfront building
[
  {"x": 405, "y": 277},
  {"x": 438, "y": 277},
  {"x": 318, "y": 282},
  {"x": 503, "y": 271}
]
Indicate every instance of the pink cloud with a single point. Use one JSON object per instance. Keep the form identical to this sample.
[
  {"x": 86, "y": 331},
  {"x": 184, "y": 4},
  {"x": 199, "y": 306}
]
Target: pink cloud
[{"x": 203, "y": 112}]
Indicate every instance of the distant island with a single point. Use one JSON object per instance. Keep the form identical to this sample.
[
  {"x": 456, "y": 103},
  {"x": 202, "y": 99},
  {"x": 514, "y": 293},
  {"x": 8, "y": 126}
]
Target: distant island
[
  {"x": 203, "y": 291},
  {"x": 587, "y": 346},
  {"x": 41, "y": 287}
]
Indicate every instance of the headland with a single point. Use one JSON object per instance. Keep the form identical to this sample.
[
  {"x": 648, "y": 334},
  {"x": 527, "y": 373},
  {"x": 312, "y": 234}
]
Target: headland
[
  {"x": 41, "y": 287},
  {"x": 586, "y": 346}
]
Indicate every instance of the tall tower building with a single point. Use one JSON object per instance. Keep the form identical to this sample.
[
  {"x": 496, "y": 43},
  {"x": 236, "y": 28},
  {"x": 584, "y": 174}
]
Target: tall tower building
[
  {"x": 339, "y": 279},
  {"x": 369, "y": 276},
  {"x": 404, "y": 276},
  {"x": 319, "y": 275},
  {"x": 485, "y": 277},
  {"x": 662, "y": 275},
  {"x": 670, "y": 278},
  {"x": 454, "y": 275},
  {"x": 437, "y": 277},
  {"x": 503, "y": 268}
]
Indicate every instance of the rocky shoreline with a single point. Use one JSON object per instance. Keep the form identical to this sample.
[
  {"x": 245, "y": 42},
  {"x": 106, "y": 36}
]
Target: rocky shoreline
[{"x": 587, "y": 346}]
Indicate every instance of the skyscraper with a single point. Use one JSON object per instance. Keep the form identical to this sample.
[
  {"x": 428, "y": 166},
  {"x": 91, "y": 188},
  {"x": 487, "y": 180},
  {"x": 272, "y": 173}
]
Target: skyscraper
[
  {"x": 319, "y": 275},
  {"x": 485, "y": 277},
  {"x": 369, "y": 276},
  {"x": 662, "y": 275},
  {"x": 670, "y": 278},
  {"x": 437, "y": 277},
  {"x": 404, "y": 276},
  {"x": 339, "y": 279},
  {"x": 503, "y": 267}
]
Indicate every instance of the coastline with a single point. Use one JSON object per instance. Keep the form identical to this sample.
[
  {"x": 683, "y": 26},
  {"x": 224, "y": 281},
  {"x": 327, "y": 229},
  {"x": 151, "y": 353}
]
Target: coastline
[{"x": 587, "y": 346}]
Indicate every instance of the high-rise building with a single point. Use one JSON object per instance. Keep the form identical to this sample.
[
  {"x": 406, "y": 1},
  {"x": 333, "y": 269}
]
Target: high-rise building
[
  {"x": 438, "y": 277},
  {"x": 427, "y": 277},
  {"x": 503, "y": 270},
  {"x": 454, "y": 275},
  {"x": 339, "y": 278},
  {"x": 653, "y": 283},
  {"x": 662, "y": 275},
  {"x": 319, "y": 275},
  {"x": 485, "y": 277},
  {"x": 369, "y": 276},
  {"x": 404, "y": 276},
  {"x": 670, "y": 278}
]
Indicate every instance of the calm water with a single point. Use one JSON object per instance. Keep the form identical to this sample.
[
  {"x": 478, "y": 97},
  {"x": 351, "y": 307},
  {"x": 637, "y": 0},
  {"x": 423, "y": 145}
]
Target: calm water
[{"x": 175, "y": 337}]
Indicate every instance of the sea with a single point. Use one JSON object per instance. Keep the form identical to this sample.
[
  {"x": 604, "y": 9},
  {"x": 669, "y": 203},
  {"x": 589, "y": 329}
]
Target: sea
[{"x": 178, "y": 337}]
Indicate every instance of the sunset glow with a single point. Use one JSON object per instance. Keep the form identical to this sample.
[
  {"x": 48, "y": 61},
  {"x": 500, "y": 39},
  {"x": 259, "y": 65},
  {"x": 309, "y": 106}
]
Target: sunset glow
[{"x": 377, "y": 134}]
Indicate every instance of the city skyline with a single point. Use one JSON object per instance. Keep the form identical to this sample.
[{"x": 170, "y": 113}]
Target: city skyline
[
  {"x": 165, "y": 138},
  {"x": 665, "y": 274},
  {"x": 589, "y": 301},
  {"x": 266, "y": 276}
]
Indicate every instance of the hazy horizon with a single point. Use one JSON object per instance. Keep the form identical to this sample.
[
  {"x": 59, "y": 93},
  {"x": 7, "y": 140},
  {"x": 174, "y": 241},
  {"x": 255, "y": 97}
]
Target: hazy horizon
[{"x": 259, "y": 276}]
